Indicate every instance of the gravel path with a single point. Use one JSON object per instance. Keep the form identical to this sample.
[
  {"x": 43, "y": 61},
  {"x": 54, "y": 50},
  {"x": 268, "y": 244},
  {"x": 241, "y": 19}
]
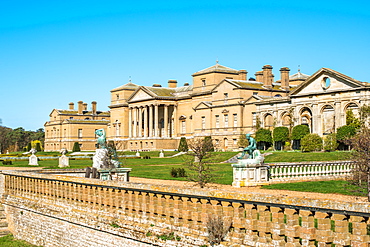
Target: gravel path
[{"x": 256, "y": 189}]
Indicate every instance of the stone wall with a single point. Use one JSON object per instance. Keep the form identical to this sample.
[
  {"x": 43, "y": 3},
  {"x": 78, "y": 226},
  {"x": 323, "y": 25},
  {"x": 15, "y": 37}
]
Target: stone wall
[{"x": 55, "y": 210}]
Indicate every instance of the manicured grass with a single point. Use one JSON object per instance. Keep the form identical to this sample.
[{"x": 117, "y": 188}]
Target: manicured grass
[
  {"x": 9, "y": 241},
  {"x": 300, "y": 156},
  {"x": 327, "y": 187}
]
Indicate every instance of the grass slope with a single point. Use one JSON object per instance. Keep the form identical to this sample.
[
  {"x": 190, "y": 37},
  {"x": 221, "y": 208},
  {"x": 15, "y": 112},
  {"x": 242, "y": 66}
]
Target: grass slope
[{"x": 10, "y": 241}]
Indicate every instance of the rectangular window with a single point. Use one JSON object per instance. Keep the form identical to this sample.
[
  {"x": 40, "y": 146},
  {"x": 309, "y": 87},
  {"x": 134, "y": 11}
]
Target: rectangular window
[
  {"x": 226, "y": 120},
  {"x": 217, "y": 121},
  {"x": 79, "y": 133},
  {"x": 203, "y": 122},
  {"x": 183, "y": 127},
  {"x": 226, "y": 97},
  {"x": 235, "y": 141},
  {"x": 235, "y": 117},
  {"x": 65, "y": 133}
]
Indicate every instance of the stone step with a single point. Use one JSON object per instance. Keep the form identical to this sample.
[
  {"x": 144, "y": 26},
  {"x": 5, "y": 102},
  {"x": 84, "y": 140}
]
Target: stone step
[
  {"x": 4, "y": 232},
  {"x": 3, "y": 224}
]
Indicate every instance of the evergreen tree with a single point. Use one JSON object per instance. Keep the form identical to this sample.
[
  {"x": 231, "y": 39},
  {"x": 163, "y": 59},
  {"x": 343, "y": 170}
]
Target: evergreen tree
[
  {"x": 29, "y": 146},
  {"x": 263, "y": 139},
  {"x": 351, "y": 120},
  {"x": 311, "y": 142},
  {"x": 298, "y": 132},
  {"x": 183, "y": 145},
  {"x": 76, "y": 147},
  {"x": 243, "y": 141},
  {"x": 281, "y": 135}
]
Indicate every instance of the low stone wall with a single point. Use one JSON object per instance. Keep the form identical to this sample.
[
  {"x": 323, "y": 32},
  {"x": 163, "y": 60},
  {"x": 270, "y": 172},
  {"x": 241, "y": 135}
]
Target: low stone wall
[{"x": 56, "y": 210}]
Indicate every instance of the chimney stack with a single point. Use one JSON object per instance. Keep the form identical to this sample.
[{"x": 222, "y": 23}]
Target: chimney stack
[
  {"x": 93, "y": 107},
  {"x": 267, "y": 76},
  {"x": 80, "y": 107},
  {"x": 243, "y": 75},
  {"x": 172, "y": 83},
  {"x": 284, "y": 74},
  {"x": 85, "y": 106},
  {"x": 71, "y": 106},
  {"x": 259, "y": 76}
]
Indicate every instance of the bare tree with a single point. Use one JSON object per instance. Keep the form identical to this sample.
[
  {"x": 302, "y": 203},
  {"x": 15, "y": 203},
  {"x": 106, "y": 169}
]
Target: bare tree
[
  {"x": 217, "y": 229},
  {"x": 361, "y": 156},
  {"x": 200, "y": 170}
]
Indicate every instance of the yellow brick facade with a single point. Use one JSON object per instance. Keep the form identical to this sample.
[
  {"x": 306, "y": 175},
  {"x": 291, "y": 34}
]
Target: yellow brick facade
[
  {"x": 220, "y": 103},
  {"x": 66, "y": 127}
]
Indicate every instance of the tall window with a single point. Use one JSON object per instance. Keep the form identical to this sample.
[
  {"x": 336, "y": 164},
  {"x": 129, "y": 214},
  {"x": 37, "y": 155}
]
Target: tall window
[
  {"x": 65, "y": 133},
  {"x": 226, "y": 97},
  {"x": 183, "y": 127},
  {"x": 217, "y": 121},
  {"x": 235, "y": 117},
  {"x": 203, "y": 122},
  {"x": 203, "y": 82},
  {"x": 226, "y": 120},
  {"x": 79, "y": 133}
]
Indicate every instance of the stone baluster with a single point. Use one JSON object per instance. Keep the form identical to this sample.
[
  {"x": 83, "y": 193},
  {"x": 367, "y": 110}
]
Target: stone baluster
[
  {"x": 177, "y": 210},
  {"x": 251, "y": 222},
  {"x": 308, "y": 230},
  {"x": 238, "y": 223},
  {"x": 292, "y": 227},
  {"x": 324, "y": 234},
  {"x": 341, "y": 231},
  {"x": 359, "y": 231},
  {"x": 278, "y": 226},
  {"x": 264, "y": 224}
]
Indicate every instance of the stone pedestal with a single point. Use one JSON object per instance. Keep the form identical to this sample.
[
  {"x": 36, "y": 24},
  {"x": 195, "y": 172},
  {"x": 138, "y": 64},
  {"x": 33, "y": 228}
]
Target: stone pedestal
[
  {"x": 33, "y": 160},
  {"x": 63, "y": 161},
  {"x": 120, "y": 174},
  {"x": 250, "y": 172},
  {"x": 161, "y": 154},
  {"x": 99, "y": 156}
]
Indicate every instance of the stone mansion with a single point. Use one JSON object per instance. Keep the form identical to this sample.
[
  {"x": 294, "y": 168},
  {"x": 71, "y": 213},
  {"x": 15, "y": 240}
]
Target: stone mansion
[{"x": 223, "y": 103}]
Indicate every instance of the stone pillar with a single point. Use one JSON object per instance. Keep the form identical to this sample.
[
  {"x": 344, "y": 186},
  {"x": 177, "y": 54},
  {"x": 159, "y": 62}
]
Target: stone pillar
[
  {"x": 156, "y": 129},
  {"x": 140, "y": 131},
  {"x": 150, "y": 120},
  {"x": 308, "y": 230},
  {"x": 316, "y": 120},
  {"x": 130, "y": 122},
  {"x": 175, "y": 122},
  {"x": 292, "y": 227},
  {"x": 165, "y": 120},
  {"x": 145, "y": 121},
  {"x": 324, "y": 235},
  {"x": 135, "y": 122}
]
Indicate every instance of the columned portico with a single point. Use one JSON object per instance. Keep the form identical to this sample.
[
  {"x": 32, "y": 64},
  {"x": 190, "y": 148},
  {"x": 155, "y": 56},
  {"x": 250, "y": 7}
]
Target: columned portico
[{"x": 146, "y": 121}]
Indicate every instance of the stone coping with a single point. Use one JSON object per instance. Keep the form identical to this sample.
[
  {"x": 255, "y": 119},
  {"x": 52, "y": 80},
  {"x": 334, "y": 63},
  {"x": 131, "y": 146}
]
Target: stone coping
[{"x": 330, "y": 203}]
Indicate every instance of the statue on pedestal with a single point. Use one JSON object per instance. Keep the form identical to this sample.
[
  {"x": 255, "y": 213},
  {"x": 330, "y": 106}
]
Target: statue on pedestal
[
  {"x": 104, "y": 153},
  {"x": 250, "y": 171}
]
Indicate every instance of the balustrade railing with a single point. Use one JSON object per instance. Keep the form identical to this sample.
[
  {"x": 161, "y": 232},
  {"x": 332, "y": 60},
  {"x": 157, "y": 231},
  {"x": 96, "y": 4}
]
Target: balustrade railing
[
  {"x": 253, "y": 223},
  {"x": 303, "y": 170}
]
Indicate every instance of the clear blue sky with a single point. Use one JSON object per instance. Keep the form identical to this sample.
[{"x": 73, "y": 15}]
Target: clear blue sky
[{"x": 56, "y": 52}]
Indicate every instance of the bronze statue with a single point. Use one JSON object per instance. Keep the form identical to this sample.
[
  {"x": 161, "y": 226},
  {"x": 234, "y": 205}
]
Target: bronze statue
[{"x": 251, "y": 147}]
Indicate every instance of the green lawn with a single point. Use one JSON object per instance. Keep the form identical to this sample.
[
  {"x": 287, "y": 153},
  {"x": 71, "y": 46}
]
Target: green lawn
[
  {"x": 160, "y": 168},
  {"x": 327, "y": 187},
  {"x": 9, "y": 241},
  {"x": 314, "y": 156}
]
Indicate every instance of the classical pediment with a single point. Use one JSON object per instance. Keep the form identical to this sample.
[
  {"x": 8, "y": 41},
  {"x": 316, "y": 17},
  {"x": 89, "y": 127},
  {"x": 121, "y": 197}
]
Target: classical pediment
[
  {"x": 203, "y": 105},
  {"x": 326, "y": 81},
  {"x": 139, "y": 95}
]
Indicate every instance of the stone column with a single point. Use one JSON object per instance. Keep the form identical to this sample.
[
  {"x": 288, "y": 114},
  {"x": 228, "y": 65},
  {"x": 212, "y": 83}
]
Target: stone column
[
  {"x": 165, "y": 121},
  {"x": 150, "y": 120},
  {"x": 316, "y": 120},
  {"x": 175, "y": 121},
  {"x": 130, "y": 122},
  {"x": 145, "y": 121},
  {"x": 140, "y": 131},
  {"x": 156, "y": 129},
  {"x": 135, "y": 123}
]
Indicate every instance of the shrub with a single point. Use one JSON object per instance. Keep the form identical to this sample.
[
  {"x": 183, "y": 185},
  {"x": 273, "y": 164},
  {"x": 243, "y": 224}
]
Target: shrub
[
  {"x": 38, "y": 147},
  {"x": 280, "y": 134},
  {"x": 330, "y": 142},
  {"x": 183, "y": 145},
  {"x": 345, "y": 132},
  {"x": 178, "y": 172},
  {"x": 217, "y": 229},
  {"x": 76, "y": 147},
  {"x": 7, "y": 162},
  {"x": 311, "y": 142}
]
